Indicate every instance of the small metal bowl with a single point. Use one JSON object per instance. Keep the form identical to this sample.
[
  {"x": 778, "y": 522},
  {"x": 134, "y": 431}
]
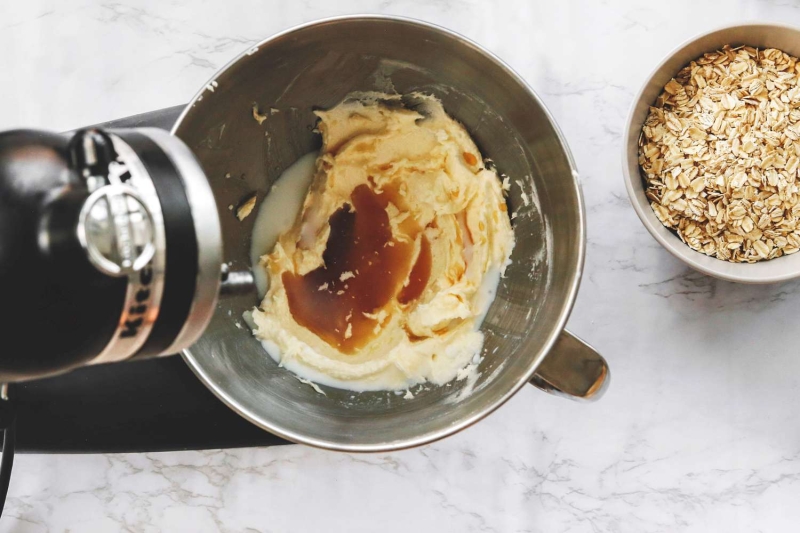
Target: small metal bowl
[{"x": 757, "y": 35}]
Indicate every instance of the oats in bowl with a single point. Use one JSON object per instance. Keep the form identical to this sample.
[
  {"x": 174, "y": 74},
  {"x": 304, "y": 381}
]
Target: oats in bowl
[{"x": 720, "y": 152}]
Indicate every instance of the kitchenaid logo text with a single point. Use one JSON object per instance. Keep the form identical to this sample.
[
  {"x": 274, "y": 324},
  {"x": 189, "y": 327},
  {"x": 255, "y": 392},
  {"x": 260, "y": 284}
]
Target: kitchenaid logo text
[{"x": 138, "y": 310}]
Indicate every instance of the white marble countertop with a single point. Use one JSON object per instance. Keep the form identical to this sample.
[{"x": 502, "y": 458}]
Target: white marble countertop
[{"x": 699, "y": 430}]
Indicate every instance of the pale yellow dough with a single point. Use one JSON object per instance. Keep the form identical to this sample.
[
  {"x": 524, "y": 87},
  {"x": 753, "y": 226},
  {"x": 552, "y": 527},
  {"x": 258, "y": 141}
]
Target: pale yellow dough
[{"x": 442, "y": 174}]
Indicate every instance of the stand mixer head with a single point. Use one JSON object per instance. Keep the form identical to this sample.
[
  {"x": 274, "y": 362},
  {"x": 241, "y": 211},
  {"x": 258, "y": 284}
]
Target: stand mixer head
[{"x": 110, "y": 249}]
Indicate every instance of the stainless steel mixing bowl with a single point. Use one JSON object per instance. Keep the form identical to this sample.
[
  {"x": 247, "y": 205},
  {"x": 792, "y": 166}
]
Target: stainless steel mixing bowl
[{"x": 315, "y": 66}]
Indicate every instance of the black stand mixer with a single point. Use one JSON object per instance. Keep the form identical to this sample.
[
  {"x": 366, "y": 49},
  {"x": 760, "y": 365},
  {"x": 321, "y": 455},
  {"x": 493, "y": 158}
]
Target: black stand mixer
[
  {"x": 111, "y": 241},
  {"x": 110, "y": 250}
]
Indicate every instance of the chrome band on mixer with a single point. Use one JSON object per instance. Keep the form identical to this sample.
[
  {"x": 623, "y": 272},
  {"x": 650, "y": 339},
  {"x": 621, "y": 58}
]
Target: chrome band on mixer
[
  {"x": 193, "y": 240},
  {"x": 146, "y": 283},
  {"x": 203, "y": 208},
  {"x": 170, "y": 300}
]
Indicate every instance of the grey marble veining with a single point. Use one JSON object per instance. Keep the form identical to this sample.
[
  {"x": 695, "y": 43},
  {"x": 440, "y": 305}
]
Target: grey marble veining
[{"x": 699, "y": 430}]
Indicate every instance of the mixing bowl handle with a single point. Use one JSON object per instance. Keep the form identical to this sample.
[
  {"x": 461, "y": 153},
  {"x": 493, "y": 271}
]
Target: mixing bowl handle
[{"x": 573, "y": 369}]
